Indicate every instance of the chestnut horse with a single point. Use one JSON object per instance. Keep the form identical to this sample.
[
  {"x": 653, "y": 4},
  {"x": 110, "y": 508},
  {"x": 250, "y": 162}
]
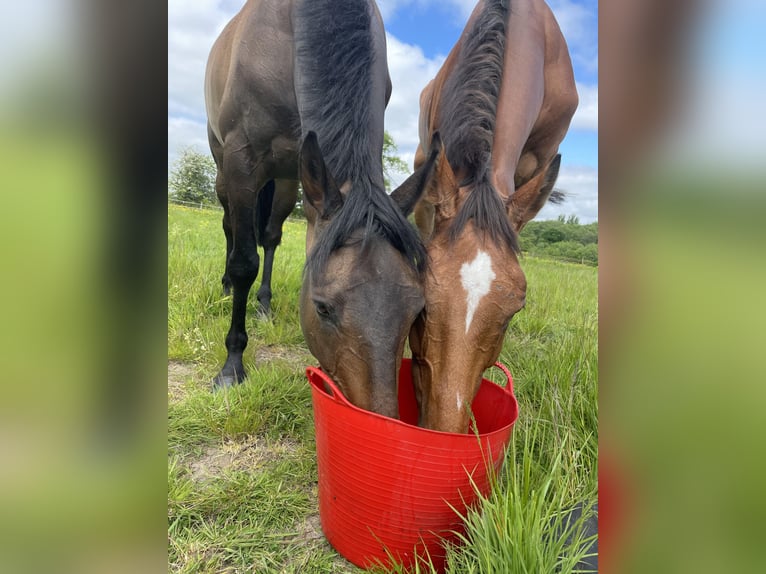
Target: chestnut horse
[
  {"x": 502, "y": 103},
  {"x": 297, "y": 89}
]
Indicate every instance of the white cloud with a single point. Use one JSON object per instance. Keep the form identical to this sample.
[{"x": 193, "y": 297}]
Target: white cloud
[
  {"x": 410, "y": 71},
  {"x": 194, "y": 27},
  {"x": 579, "y": 24},
  {"x": 464, "y": 6},
  {"x": 185, "y": 132},
  {"x": 586, "y": 116},
  {"x": 389, "y": 7},
  {"x": 580, "y": 184}
]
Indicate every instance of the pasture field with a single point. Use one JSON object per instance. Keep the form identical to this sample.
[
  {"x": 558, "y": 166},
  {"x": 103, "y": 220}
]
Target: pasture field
[{"x": 242, "y": 492}]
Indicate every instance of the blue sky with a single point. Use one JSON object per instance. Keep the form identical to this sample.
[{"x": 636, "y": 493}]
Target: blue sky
[{"x": 420, "y": 34}]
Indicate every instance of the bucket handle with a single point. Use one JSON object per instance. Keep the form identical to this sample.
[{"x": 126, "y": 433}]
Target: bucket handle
[
  {"x": 341, "y": 398},
  {"x": 329, "y": 383},
  {"x": 508, "y": 387}
]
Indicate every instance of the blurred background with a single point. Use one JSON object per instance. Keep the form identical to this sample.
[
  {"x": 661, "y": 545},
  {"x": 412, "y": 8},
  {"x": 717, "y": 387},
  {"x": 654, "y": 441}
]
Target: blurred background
[
  {"x": 681, "y": 282},
  {"x": 82, "y": 304},
  {"x": 82, "y": 343}
]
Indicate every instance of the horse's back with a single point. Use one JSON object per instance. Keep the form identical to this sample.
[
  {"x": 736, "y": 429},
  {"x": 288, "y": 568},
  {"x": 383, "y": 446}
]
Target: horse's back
[
  {"x": 249, "y": 79},
  {"x": 217, "y": 71},
  {"x": 537, "y": 92},
  {"x": 560, "y": 98}
]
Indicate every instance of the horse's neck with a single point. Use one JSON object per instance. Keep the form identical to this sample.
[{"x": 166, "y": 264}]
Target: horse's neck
[
  {"x": 521, "y": 91},
  {"x": 537, "y": 96}
]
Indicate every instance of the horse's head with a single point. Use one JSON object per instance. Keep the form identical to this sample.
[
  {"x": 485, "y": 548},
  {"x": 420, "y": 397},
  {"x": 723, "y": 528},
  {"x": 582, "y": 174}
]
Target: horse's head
[
  {"x": 362, "y": 286},
  {"x": 473, "y": 287}
]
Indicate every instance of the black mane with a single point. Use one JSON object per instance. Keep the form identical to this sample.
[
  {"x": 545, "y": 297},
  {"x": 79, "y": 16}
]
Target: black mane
[
  {"x": 467, "y": 121},
  {"x": 335, "y": 56}
]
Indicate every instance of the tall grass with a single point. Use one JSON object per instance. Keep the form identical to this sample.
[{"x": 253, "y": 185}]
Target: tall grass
[{"x": 257, "y": 512}]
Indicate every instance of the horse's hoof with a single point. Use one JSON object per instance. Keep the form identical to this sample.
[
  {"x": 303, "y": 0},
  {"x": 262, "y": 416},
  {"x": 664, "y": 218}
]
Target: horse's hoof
[
  {"x": 264, "y": 312},
  {"x": 222, "y": 381},
  {"x": 264, "y": 303}
]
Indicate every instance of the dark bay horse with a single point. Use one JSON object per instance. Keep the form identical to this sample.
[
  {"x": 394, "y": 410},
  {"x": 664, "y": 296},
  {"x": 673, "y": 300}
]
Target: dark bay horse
[
  {"x": 297, "y": 89},
  {"x": 502, "y": 102}
]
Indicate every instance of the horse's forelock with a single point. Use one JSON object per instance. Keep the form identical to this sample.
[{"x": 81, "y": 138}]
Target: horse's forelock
[{"x": 368, "y": 208}]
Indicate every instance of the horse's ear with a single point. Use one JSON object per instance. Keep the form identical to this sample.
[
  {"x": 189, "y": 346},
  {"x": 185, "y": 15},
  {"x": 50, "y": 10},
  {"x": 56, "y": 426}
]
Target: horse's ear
[
  {"x": 408, "y": 194},
  {"x": 530, "y": 198},
  {"x": 319, "y": 187}
]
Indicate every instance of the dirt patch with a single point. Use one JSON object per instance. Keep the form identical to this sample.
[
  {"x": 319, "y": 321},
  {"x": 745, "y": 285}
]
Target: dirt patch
[
  {"x": 295, "y": 356},
  {"x": 178, "y": 376},
  {"x": 310, "y": 530},
  {"x": 251, "y": 454},
  {"x": 310, "y": 538}
]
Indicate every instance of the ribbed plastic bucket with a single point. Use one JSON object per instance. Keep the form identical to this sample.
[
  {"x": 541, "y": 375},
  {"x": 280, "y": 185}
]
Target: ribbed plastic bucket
[{"x": 388, "y": 488}]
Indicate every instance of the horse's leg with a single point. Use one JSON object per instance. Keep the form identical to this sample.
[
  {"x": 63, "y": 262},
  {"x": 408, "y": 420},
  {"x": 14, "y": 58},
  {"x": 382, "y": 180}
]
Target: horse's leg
[
  {"x": 263, "y": 208},
  {"x": 225, "y": 281},
  {"x": 243, "y": 261},
  {"x": 220, "y": 190},
  {"x": 285, "y": 197}
]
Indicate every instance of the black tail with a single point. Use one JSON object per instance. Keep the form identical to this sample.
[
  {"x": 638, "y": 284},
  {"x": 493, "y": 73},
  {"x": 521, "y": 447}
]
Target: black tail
[
  {"x": 557, "y": 196},
  {"x": 263, "y": 207}
]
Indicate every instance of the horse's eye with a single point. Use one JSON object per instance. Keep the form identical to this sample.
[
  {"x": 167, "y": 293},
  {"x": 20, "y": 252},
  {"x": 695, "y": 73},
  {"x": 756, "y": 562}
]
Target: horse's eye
[{"x": 323, "y": 309}]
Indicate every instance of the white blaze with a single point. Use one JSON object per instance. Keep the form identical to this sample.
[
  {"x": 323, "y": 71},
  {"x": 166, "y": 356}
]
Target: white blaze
[{"x": 476, "y": 277}]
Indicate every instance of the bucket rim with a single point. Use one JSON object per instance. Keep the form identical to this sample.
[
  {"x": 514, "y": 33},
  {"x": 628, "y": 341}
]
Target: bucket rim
[{"x": 339, "y": 399}]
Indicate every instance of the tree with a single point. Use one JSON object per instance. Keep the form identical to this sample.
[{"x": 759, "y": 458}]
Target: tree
[
  {"x": 392, "y": 163},
  {"x": 553, "y": 235},
  {"x": 563, "y": 238},
  {"x": 193, "y": 178}
]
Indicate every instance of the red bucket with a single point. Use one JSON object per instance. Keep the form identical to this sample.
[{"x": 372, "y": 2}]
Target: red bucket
[{"x": 390, "y": 488}]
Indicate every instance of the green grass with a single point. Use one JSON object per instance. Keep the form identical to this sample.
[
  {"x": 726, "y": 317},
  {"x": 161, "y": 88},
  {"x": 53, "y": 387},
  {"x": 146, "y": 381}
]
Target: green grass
[{"x": 241, "y": 463}]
